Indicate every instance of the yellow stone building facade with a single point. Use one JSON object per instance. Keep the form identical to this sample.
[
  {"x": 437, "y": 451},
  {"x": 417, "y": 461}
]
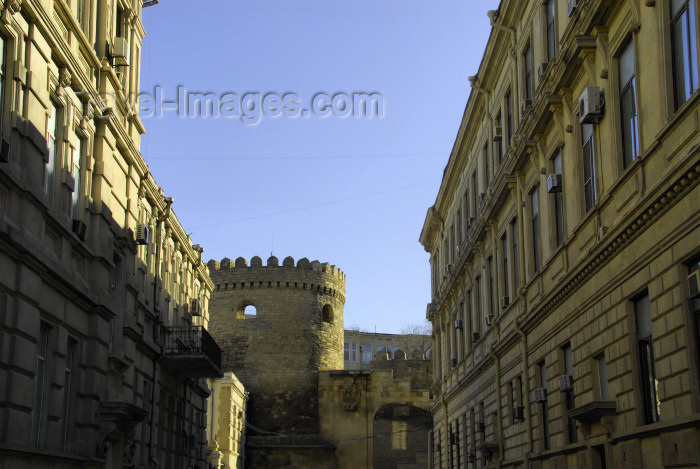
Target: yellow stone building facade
[
  {"x": 103, "y": 296},
  {"x": 226, "y": 422},
  {"x": 565, "y": 241}
]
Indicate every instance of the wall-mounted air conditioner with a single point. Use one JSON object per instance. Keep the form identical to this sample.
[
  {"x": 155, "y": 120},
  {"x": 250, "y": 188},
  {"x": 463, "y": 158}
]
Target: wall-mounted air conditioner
[
  {"x": 566, "y": 383},
  {"x": 694, "y": 284},
  {"x": 505, "y": 302},
  {"x": 141, "y": 234},
  {"x": 519, "y": 413},
  {"x": 590, "y": 105},
  {"x": 196, "y": 307},
  {"x": 459, "y": 324},
  {"x": 489, "y": 320},
  {"x": 497, "y": 133},
  {"x": 541, "y": 395},
  {"x": 120, "y": 51},
  {"x": 572, "y": 5},
  {"x": 554, "y": 183}
]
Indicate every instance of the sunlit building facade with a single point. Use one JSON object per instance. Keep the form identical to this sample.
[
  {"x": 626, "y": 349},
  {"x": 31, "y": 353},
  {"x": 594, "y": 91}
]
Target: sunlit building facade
[{"x": 564, "y": 244}]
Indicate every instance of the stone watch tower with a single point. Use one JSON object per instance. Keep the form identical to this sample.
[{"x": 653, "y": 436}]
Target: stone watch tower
[{"x": 296, "y": 331}]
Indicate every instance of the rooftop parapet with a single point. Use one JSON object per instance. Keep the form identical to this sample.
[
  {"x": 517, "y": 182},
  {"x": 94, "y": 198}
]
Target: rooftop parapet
[{"x": 273, "y": 263}]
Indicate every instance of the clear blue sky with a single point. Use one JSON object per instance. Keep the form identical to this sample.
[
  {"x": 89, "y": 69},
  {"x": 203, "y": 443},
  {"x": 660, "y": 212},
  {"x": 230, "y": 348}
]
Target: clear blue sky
[{"x": 350, "y": 191}]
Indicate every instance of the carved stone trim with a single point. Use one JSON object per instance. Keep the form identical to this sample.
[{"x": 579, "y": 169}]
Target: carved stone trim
[{"x": 646, "y": 217}]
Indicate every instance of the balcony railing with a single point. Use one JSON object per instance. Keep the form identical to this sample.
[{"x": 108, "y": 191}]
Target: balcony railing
[{"x": 190, "y": 352}]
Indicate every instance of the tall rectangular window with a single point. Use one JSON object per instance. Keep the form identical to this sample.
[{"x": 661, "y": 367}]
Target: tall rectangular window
[
  {"x": 499, "y": 141},
  {"x": 491, "y": 289},
  {"x": 527, "y": 61},
  {"x": 589, "y": 189},
  {"x": 544, "y": 407},
  {"x": 559, "y": 202},
  {"x": 477, "y": 302},
  {"x": 2, "y": 75},
  {"x": 684, "y": 50},
  {"x": 68, "y": 374},
  {"x": 516, "y": 257},
  {"x": 50, "y": 166},
  {"x": 346, "y": 352},
  {"x": 647, "y": 368},
  {"x": 459, "y": 227},
  {"x": 551, "y": 30},
  {"x": 38, "y": 409},
  {"x": 509, "y": 114},
  {"x": 504, "y": 256},
  {"x": 487, "y": 169},
  {"x": 535, "y": 206},
  {"x": 354, "y": 353},
  {"x": 602, "y": 370},
  {"x": 572, "y": 435},
  {"x": 475, "y": 194},
  {"x": 693, "y": 267},
  {"x": 75, "y": 197},
  {"x": 83, "y": 15},
  {"x": 467, "y": 211},
  {"x": 470, "y": 321},
  {"x": 452, "y": 242},
  {"x": 628, "y": 106},
  {"x": 366, "y": 351}
]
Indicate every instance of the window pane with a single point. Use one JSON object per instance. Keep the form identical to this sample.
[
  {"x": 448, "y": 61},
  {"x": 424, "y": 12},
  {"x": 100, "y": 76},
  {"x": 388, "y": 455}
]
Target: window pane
[
  {"x": 643, "y": 310},
  {"x": 626, "y": 65}
]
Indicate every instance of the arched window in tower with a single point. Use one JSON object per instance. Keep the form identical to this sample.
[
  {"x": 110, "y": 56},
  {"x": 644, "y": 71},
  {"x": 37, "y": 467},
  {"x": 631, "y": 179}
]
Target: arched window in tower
[
  {"x": 246, "y": 310},
  {"x": 327, "y": 313}
]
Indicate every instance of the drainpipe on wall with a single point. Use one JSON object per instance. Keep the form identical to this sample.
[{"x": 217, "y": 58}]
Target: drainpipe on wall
[
  {"x": 499, "y": 407},
  {"x": 162, "y": 216},
  {"x": 526, "y": 391}
]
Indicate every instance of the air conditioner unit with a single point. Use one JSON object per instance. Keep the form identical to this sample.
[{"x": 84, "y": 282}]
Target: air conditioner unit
[
  {"x": 475, "y": 336},
  {"x": 141, "y": 234},
  {"x": 482, "y": 197},
  {"x": 120, "y": 51},
  {"x": 454, "y": 362},
  {"x": 554, "y": 183},
  {"x": 541, "y": 395},
  {"x": 195, "y": 308},
  {"x": 519, "y": 413},
  {"x": 480, "y": 427},
  {"x": 566, "y": 383},
  {"x": 694, "y": 284},
  {"x": 489, "y": 320},
  {"x": 4, "y": 151},
  {"x": 68, "y": 180},
  {"x": 505, "y": 302},
  {"x": 458, "y": 247},
  {"x": 459, "y": 324},
  {"x": 79, "y": 228},
  {"x": 590, "y": 105},
  {"x": 497, "y": 133},
  {"x": 572, "y": 7},
  {"x": 541, "y": 69},
  {"x": 449, "y": 267},
  {"x": 471, "y": 220},
  {"x": 525, "y": 105}
]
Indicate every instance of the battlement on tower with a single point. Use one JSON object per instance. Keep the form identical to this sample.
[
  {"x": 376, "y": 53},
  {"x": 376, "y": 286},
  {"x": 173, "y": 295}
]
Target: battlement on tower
[
  {"x": 273, "y": 262},
  {"x": 304, "y": 275}
]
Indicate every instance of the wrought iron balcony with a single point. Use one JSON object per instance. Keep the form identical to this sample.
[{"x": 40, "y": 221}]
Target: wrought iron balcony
[{"x": 190, "y": 352}]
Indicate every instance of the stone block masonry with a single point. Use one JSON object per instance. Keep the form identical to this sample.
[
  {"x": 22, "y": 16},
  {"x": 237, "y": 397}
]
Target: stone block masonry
[{"x": 296, "y": 331}]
